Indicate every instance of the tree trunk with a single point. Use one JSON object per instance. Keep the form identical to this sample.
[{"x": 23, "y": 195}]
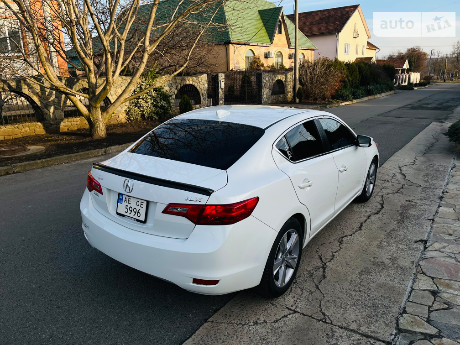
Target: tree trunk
[{"x": 97, "y": 125}]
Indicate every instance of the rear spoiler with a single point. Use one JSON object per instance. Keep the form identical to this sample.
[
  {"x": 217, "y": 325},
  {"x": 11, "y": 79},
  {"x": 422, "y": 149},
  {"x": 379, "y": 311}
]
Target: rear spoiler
[{"x": 154, "y": 180}]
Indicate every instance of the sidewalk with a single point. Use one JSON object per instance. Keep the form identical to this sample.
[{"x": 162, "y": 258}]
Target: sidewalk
[{"x": 432, "y": 312}]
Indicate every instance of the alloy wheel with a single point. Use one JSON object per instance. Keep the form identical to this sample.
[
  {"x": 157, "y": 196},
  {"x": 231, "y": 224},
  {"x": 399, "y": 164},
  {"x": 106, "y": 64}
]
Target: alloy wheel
[
  {"x": 286, "y": 258},
  {"x": 370, "y": 180}
]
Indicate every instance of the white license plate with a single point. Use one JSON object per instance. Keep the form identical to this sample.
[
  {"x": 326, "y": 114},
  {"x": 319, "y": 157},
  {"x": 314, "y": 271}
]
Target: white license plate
[{"x": 131, "y": 207}]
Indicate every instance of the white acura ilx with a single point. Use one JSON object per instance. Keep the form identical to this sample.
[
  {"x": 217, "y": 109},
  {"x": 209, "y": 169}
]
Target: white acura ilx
[{"x": 224, "y": 198}]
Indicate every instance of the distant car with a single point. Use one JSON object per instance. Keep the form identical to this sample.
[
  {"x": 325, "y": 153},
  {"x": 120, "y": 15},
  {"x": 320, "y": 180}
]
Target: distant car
[{"x": 224, "y": 198}]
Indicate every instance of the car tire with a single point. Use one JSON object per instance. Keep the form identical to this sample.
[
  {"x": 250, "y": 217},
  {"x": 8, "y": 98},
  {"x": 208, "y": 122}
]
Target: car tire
[
  {"x": 369, "y": 184},
  {"x": 283, "y": 260}
]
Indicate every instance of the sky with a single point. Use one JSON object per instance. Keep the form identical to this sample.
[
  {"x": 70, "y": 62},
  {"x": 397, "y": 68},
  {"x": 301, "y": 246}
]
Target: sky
[{"x": 391, "y": 45}]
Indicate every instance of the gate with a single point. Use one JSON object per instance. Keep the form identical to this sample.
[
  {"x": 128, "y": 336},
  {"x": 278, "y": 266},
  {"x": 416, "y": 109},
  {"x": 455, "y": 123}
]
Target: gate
[
  {"x": 18, "y": 108},
  {"x": 243, "y": 87}
]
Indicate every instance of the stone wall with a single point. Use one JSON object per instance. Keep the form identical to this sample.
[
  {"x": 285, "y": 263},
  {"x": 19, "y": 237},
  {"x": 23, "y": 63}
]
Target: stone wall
[
  {"x": 21, "y": 130},
  {"x": 268, "y": 80},
  {"x": 70, "y": 124},
  {"x": 200, "y": 81}
]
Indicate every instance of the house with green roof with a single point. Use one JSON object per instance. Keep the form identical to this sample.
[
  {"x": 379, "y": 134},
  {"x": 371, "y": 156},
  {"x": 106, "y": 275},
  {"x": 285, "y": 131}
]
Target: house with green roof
[{"x": 246, "y": 29}]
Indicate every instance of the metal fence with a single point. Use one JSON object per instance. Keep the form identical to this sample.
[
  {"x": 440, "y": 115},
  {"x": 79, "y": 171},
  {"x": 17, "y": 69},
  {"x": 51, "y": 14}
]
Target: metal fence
[
  {"x": 243, "y": 87},
  {"x": 16, "y": 109}
]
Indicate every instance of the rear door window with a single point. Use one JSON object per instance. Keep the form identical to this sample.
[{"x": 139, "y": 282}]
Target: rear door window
[
  {"x": 338, "y": 135},
  {"x": 301, "y": 142},
  {"x": 214, "y": 144}
]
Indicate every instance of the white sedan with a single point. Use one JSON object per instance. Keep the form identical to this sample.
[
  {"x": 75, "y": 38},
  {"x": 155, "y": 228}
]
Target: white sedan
[{"x": 223, "y": 199}]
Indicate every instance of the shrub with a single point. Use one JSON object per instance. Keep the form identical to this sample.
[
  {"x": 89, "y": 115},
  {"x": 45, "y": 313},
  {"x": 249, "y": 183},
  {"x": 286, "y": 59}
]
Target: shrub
[
  {"x": 454, "y": 132},
  {"x": 344, "y": 94},
  {"x": 256, "y": 63},
  {"x": 185, "y": 104},
  {"x": 428, "y": 79},
  {"x": 359, "y": 93},
  {"x": 154, "y": 105},
  {"x": 321, "y": 80}
]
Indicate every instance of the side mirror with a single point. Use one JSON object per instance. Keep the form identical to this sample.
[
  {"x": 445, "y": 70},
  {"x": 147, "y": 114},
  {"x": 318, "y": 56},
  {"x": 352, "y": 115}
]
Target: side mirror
[{"x": 363, "y": 141}]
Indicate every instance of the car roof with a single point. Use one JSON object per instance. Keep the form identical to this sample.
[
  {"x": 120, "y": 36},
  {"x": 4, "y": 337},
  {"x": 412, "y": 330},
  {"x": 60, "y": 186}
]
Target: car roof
[{"x": 253, "y": 115}]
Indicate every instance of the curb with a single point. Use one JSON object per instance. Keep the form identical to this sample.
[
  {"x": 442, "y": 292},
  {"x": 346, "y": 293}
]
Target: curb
[
  {"x": 368, "y": 98},
  {"x": 42, "y": 163}
]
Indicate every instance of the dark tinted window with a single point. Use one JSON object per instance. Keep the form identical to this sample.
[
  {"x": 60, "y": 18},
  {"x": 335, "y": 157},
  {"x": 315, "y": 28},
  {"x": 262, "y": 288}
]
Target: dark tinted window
[
  {"x": 303, "y": 141},
  {"x": 338, "y": 135},
  {"x": 208, "y": 143}
]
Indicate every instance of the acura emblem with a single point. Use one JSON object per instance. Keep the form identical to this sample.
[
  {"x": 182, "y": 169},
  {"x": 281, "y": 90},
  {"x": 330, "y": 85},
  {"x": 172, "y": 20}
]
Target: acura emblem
[{"x": 128, "y": 185}]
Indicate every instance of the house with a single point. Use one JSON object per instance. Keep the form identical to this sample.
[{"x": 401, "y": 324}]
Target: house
[
  {"x": 338, "y": 33},
  {"x": 403, "y": 76},
  {"x": 14, "y": 44},
  {"x": 248, "y": 29}
]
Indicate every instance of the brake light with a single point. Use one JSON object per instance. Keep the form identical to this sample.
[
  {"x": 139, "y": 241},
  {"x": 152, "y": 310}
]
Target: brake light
[
  {"x": 92, "y": 184},
  {"x": 213, "y": 214}
]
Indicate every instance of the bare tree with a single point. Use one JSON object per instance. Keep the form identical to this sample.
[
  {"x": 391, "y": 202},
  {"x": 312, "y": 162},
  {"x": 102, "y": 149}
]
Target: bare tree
[{"x": 108, "y": 37}]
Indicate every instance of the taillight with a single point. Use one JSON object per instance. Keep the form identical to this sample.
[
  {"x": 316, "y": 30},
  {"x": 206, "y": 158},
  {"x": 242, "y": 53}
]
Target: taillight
[
  {"x": 92, "y": 184},
  {"x": 214, "y": 214}
]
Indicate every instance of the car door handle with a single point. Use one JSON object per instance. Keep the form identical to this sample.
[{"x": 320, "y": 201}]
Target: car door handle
[
  {"x": 305, "y": 184},
  {"x": 343, "y": 169}
]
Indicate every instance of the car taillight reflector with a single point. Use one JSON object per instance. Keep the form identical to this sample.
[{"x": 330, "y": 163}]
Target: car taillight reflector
[
  {"x": 92, "y": 184},
  {"x": 213, "y": 214},
  {"x": 204, "y": 282}
]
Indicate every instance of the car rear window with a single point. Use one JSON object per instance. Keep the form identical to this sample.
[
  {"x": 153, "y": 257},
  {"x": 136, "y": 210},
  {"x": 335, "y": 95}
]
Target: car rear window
[{"x": 214, "y": 144}]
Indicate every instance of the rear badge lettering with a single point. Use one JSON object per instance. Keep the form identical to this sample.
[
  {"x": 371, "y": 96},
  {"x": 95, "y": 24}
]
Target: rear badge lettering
[{"x": 193, "y": 199}]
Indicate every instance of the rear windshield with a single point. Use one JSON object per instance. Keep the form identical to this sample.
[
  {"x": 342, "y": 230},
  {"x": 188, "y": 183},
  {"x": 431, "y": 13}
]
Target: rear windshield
[{"x": 208, "y": 143}]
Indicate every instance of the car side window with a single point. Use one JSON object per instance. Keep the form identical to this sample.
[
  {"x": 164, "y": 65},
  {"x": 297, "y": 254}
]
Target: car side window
[
  {"x": 301, "y": 142},
  {"x": 338, "y": 134}
]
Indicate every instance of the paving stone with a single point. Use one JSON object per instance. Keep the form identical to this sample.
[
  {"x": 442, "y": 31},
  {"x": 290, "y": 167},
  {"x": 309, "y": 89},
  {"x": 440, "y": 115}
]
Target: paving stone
[
  {"x": 449, "y": 213},
  {"x": 415, "y": 324},
  {"x": 449, "y": 316},
  {"x": 444, "y": 341},
  {"x": 452, "y": 248},
  {"x": 408, "y": 338},
  {"x": 434, "y": 254},
  {"x": 437, "y": 305},
  {"x": 448, "y": 286},
  {"x": 424, "y": 283},
  {"x": 422, "y": 297},
  {"x": 436, "y": 246},
  {"x": 417, "y": 309},
  {"x": 455, "y": 299},
  {"x": 445, "y": 268},
  {"x": 447, "y": 330},
  {"x": 423, "y": 342}
]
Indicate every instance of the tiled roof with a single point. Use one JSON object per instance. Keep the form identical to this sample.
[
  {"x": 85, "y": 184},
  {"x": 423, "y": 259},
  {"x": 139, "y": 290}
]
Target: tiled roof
[
  {"x": 397, "y": 63},
  {"x": 371, "y": 46},
  {"x": 251, "y": 22},
  {"x": 367, "y": 59},
  {"x": 324, "y": 22}
]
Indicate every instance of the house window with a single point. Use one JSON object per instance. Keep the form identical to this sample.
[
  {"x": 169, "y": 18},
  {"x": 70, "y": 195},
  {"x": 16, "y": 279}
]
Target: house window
[
  {"x": 347, "y": 48},
  {"x": 249, "y": 57},
  {"x": 280, "y": 27},
  {"x": 278, "y": 59},
  {"x": 301, "y": 58},
  {"x": 364, "y": 50},
  {"x": 10, "y": 37},
  {"x": 357, "y": 50}
]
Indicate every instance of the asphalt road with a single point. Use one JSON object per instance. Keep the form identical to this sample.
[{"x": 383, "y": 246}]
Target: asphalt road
[{"x": 56, "y": 289}]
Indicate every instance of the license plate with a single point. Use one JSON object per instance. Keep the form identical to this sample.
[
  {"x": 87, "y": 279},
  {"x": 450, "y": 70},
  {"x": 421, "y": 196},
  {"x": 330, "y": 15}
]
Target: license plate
[{"x": 131, "y": 207}]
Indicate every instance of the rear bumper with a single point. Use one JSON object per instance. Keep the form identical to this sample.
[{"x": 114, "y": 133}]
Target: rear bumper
[{"x": 235, "y": 254}]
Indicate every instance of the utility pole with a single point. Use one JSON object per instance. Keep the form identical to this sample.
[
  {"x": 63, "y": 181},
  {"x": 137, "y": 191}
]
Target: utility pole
[
  {"x": 445, "y": 71},
  {"x": 296, "y": 52}
]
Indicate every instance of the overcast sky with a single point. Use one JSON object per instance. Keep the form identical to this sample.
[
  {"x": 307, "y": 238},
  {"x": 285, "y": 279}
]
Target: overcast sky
[{"x": 389, "y": 45}]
